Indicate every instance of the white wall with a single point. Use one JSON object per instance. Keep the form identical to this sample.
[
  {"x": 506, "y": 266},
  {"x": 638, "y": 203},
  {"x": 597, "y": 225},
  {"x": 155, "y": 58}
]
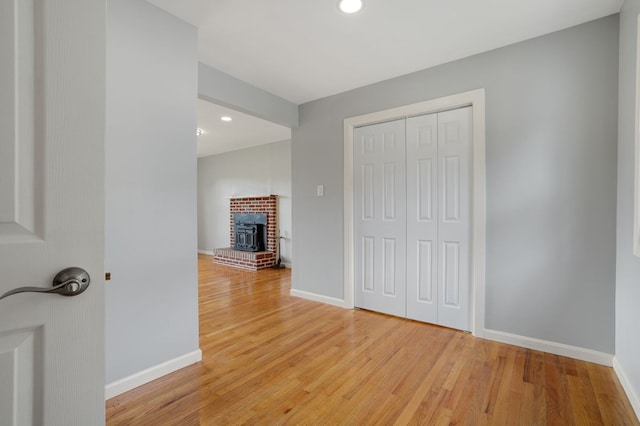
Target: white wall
[
  {"x": 628, "y": 266},
  {"x": 152, "y": 298},
  {"x": 261, "y": 170},
  {"x": 551, "y": 121}
]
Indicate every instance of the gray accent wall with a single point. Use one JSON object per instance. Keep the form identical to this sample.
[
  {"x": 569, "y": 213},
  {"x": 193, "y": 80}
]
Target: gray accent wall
[
  {"x": 551, "y": 135},
  {"x": 628, "y": 266},
  {"x": 260, "y": 170},
  {"x": 152, "y": 298}
]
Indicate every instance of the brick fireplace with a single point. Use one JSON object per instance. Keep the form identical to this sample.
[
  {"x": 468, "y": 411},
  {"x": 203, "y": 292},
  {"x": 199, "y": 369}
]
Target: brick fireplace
[{"x": 252, "y": 260}]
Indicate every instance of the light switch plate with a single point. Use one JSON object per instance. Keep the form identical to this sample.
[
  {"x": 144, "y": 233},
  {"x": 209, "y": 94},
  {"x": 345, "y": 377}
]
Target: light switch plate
[{"x": 320, "y": 190}]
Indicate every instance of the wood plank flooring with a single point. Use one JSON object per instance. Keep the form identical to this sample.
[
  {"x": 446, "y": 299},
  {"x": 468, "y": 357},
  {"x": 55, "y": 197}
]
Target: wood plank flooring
[{"x": 269, "y": 358}]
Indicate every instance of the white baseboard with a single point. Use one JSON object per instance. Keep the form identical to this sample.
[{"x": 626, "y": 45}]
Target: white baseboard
[
  {"x": 550, "y": 347},
  {"x": 155, "y": 372},
  {"x": 628, "y": 388},
  {"x": 319, "y": 298}
]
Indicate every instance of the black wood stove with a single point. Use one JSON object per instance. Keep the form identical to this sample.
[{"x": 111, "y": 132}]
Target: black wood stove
[{"x": 250, "y": 231}]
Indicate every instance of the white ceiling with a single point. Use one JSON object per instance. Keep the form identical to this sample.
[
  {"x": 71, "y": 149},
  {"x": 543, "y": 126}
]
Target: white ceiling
[
  {"x": 302, "y": 50},
  {"x": 243, "y": 132}
]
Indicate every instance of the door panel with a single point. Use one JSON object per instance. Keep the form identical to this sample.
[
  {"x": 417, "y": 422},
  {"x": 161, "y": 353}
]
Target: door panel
[
  {"x": 451, "y": 270},
  {"x": 389, "y": 195},
  {"x": 422, "y": 225},
  {"x": 368, "y": 264},
  {"x": 389, "y": 261},
  {"x": 51, "y": 209},
  {"x": 20, "y": 149},
  {"x": 368, "y": 186},
  {"x": 451, "y": 188},
  {"x": 425, "y": 183},
  {"x": 380, "y": 217},
  {"x": 454, "y": 229},
  {"x": 19, "y": 364},
  {"x": 425, "y": 271}
]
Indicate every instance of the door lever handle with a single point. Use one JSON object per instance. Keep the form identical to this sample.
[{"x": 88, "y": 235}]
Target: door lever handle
[{"x": 68, "y": 282}]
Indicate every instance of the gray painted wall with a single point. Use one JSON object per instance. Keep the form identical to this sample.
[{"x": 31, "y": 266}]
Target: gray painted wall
[
  {"x": 551, "y": 118},
  {"x": 260, "y": 170},
  {"x": 223, "y": 89},
  {"x": 152, "y": 298},
  {"x": 628, "y": 266}
]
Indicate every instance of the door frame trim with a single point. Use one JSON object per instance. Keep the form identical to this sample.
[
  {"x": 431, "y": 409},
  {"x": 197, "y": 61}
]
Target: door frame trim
[{"x": 475, "y": 99}]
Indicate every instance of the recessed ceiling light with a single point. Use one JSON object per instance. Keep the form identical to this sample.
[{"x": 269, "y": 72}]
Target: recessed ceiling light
[
  {"x": 350, "y": 6},
  {"x": 226, "y": 118}
]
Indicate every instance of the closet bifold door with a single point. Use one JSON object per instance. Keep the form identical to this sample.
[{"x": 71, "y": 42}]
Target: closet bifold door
[
  {"x": 438, "y": 217},
  {"x": 422, "y": 218},
  {"x": 454, "y": 218},
  {"x": 379, "y": 192},
  {"x": 412, "y": 215}
]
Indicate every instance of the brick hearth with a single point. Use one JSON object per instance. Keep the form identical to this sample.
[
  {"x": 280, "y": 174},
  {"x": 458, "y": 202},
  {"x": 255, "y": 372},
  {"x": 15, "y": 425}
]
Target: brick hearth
[{"x": 252, "y": 260}]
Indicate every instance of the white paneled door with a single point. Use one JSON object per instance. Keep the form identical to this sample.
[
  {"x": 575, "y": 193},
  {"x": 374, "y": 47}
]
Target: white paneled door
[
  {"x": 422, "y": 218},
  {"x": 52, "y": 97},
  {"x": 438, "y": 218},
  {"x": 380, "y": 208},
  {"x": 437, "y": 205}
]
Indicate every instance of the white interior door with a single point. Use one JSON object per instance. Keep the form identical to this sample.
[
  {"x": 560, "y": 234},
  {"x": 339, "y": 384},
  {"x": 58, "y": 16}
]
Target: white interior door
[
  {"x": 434, "y": 272},
  {"x": 52, "y": 96},
  {"x": 380, "y": 225}
]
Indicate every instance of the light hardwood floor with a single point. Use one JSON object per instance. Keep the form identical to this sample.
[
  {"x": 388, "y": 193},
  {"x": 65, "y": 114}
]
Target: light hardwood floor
[{"x": 269, "y": 358}]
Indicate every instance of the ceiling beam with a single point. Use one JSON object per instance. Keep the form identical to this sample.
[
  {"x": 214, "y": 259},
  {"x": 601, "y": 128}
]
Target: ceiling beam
[{"x": 226, "y": 90}]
